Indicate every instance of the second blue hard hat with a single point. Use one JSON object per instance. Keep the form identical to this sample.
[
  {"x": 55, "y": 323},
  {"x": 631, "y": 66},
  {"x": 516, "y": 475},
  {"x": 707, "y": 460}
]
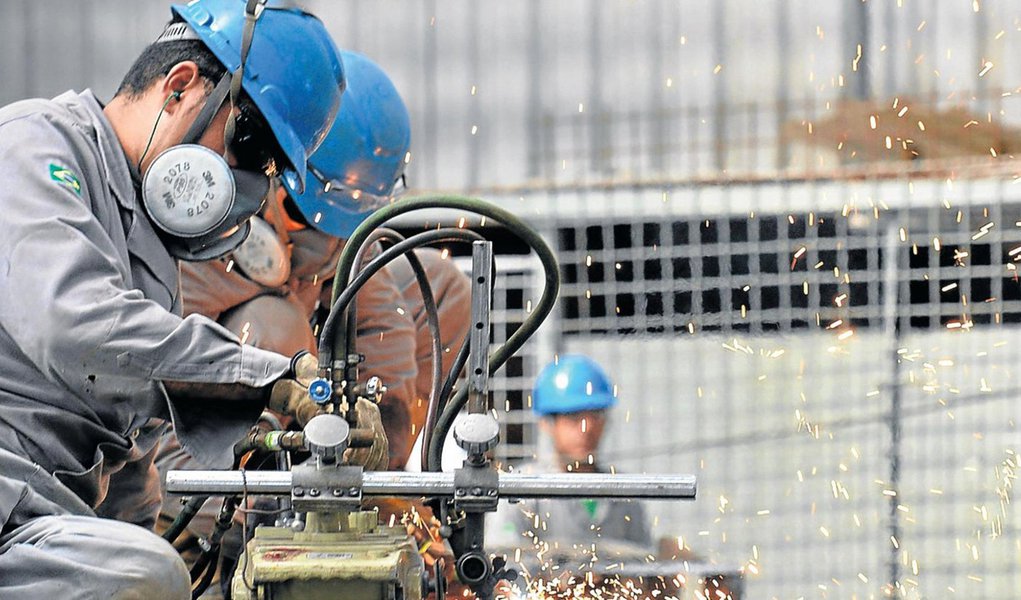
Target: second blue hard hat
[
  {"x": 363, "y": 157},
  {"x": 293, "y": 72},
  {"x": 573, "y": 383}
]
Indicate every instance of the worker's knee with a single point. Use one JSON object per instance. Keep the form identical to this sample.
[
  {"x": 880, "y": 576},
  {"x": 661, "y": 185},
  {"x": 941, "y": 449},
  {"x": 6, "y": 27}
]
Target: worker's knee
[
  {"x": 104, "y": 559},
  {"x": 147, "y": 565},
  {"x": 160, "y": 569}
]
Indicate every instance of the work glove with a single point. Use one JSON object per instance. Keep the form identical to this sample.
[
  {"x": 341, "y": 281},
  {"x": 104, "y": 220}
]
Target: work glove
[
  {"x": 289, "y": 394},
  {"x": 377, "y": 456}
]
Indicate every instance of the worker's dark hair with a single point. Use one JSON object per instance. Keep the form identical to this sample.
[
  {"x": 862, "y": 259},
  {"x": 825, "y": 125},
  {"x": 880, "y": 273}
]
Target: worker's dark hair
[{"x": 157, "y": 60}]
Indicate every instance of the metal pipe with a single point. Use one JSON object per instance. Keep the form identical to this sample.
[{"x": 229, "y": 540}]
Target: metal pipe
[{"x": 392, "y": 483}]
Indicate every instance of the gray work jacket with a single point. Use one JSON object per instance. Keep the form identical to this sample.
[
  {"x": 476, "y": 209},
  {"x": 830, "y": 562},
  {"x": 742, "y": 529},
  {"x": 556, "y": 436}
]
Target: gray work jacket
[
  {"x": 89, "y": 317},
  {"x": 567, "y": 522}
]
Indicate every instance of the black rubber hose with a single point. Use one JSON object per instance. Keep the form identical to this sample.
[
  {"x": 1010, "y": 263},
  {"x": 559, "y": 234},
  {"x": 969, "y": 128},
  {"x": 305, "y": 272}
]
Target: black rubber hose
[
  {"x": 448, "y": 388},
  {"x": 436, "y": 343},
  {"x": 406, "y": 205},
  {"x": 332, "y": 340},
  {"x": 207, "y": 576},
  {"x": 432, "y": 318},
  {"x": 184, "y": 518},
  {"x": 205, "y": 566},
  {"x": 381, "y": 234},
  {"x": 200, "y": 567},
  {"x": 448, "y": 384},
  {"x": 496, "y": 360},
  {"x": 500, "y": 356}
]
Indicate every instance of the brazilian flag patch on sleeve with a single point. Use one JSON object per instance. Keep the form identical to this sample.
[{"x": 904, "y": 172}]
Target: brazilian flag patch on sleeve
[{"x": 66, "y": 178}]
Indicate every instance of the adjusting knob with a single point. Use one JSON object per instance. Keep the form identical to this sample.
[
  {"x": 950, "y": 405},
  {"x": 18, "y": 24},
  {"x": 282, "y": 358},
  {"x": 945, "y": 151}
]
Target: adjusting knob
[
  {"x": 326, "y": 437},
  {"x": 476, "y": 433}
]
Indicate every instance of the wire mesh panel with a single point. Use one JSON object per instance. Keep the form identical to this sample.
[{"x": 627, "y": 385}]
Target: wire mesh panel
[{"x": 833, "y": 359}]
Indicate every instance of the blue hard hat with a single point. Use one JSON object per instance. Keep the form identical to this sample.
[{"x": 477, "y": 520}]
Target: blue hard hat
[
  {"x": 293, "y": 72},
  {"x": 353, "y": 173},
  {"x": 572, "y": 383}
]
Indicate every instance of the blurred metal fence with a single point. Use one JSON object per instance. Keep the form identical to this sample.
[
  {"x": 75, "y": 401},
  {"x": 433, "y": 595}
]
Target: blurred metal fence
[
  {"x": 502, "y": 93},
  {"x": 834, "y": 359}
]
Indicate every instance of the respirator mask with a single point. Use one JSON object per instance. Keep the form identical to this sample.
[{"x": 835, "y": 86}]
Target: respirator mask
[{"x": 265, "y": 255}]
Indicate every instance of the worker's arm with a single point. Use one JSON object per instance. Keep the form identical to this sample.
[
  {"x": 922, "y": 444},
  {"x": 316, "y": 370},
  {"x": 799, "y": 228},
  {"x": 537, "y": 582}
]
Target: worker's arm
[
  {"x": 452, "y": 292},
  {"x": 65, "y": 289},
  {"x": 213, "y": 287}
]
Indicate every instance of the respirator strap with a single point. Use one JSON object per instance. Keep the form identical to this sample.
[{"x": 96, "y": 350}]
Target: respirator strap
[
  {"x": 208, "y": 112},
  {"x": 253, "y": 10}
]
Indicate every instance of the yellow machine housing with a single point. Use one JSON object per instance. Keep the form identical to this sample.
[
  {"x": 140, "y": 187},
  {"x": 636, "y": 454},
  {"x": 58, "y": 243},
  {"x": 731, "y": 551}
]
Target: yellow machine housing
[{"x": 337, "y": 557}]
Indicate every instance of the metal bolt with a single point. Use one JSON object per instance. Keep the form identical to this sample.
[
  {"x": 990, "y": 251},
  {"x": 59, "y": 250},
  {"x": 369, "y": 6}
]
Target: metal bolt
[
  {"x": 298, "y": 491},
  {"x": 476, "y": 491},
  {"x": 313, "y": 492},
  {"x": 353, "y": 491},
  {"x": 459, "y": 492},
  {"x": 337, "y": 493},
  {"x": 491, "y": 492}
]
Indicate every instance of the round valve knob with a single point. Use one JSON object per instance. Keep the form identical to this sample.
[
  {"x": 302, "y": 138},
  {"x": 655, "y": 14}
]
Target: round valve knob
[
  {"x": 476, "y": 433},
  {"x": 326, "y": 437},
  {"x": 320, "y": 390}
]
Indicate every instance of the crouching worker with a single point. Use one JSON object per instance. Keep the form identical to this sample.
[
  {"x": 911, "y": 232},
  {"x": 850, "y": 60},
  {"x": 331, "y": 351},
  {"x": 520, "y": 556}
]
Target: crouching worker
[
  {"x": 272, "y": 289},
  {"x": 98, "y": 201}
]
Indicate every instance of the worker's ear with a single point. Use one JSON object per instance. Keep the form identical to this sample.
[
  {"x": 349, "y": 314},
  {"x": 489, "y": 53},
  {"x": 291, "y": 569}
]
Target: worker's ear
[{"x": 181, "y": 81}]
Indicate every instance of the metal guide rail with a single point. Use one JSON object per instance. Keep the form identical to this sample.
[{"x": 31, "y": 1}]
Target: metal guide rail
[{"x": 401, "y": 484}]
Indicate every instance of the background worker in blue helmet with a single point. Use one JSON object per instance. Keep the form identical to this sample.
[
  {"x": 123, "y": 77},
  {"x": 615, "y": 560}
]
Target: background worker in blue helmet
[
  {"x": 95, "y": 359},
  {"x": 573, "y": 397}
]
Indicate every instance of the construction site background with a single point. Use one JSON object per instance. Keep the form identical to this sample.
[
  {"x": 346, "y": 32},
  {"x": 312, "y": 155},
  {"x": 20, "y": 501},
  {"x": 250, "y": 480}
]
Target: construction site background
[{"x": 788, "y": 229}]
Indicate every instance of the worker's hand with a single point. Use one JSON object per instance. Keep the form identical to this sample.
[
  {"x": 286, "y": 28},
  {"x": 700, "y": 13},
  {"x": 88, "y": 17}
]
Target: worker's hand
[
  {"x": 377, "y": 456},
  {"x": 289, "y": 395}
]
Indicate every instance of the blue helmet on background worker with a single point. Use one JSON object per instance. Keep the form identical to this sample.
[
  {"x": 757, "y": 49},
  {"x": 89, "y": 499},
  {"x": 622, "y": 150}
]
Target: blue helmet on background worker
[
  {"x": 355, "y": 170},
  {"x": 572, "y": 383},
  {"x": 298, "y": 97}
]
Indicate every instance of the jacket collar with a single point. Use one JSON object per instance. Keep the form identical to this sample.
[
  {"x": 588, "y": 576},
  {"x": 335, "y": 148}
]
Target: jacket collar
[{"x": 115, "y": 162}]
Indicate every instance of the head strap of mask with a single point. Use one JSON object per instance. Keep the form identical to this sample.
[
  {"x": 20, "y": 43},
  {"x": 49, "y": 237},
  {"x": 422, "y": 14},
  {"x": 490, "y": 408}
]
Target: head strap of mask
[
  {"x": 253, "y": 10},
  {"x": 205, "y": 213}
]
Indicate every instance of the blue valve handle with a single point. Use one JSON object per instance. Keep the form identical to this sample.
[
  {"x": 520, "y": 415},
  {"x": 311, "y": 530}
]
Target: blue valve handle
[{"x": 320, "y": 390}]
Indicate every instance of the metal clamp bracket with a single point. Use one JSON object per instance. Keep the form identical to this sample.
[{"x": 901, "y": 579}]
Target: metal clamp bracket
[
  {"x": 476, "y": 489},
  {"x": 326, "y": 488}
]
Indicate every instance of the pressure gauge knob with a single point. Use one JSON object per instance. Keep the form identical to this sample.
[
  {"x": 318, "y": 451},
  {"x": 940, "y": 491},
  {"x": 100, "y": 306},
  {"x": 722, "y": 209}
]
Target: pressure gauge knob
[
  {"x": 326, "y": 437},
  {"x": 476, "y": 433}
]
